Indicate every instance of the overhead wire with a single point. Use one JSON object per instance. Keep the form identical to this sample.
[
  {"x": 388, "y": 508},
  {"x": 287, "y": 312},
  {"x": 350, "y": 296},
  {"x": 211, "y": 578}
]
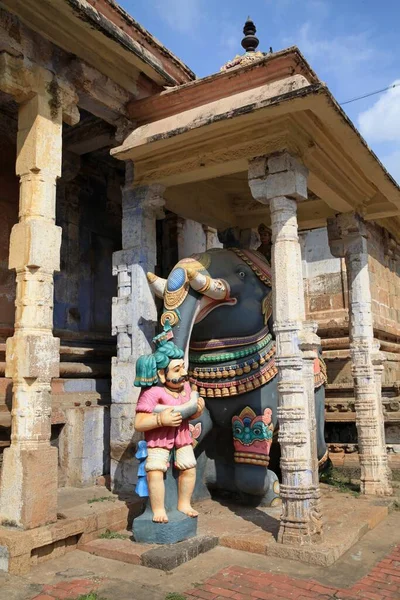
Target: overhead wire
[{"x": 390, "y": 87}]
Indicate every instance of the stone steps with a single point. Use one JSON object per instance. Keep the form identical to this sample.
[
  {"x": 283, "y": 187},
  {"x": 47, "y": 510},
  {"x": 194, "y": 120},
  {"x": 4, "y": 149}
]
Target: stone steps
[
  {"x": 81, "y": 519},
  {"x": 164, "y": 557},
  {"x": 117, "y": 549}
]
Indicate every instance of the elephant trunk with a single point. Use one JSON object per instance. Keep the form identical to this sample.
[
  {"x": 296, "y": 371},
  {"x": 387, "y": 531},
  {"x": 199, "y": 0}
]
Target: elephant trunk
[
  {"x": 203, "y": 295},
  {"x": 189, "y": 311}
]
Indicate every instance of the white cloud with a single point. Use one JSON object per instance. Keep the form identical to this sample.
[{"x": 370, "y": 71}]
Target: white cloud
[
  {"x": 392, "y": 164},
  {"x": 182, "y": 15},
  {"x": 381, "y": 122},
  {"x": 340, "y": 54}
]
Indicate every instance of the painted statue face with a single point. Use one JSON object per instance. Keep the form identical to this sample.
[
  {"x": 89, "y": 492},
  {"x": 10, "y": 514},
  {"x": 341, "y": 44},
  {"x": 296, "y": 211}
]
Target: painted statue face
[
  {"x": 252, "y": 436},
  {"x": 247, "y": 431},
  {"x": 175, "y": 375}
]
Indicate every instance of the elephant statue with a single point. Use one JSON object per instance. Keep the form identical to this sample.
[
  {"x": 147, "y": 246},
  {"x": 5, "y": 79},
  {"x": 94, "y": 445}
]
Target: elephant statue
[{"x": 219, "y": 305}]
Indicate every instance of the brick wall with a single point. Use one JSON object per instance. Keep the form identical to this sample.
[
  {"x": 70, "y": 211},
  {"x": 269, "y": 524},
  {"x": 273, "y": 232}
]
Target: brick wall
[
  {"x": 325, "y": 282},
  {"x": 384, "y": 267}
]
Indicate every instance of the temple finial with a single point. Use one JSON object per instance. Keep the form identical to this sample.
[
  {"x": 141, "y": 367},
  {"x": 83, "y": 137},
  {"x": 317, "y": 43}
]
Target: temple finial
[{"x": 250, "y": 41}]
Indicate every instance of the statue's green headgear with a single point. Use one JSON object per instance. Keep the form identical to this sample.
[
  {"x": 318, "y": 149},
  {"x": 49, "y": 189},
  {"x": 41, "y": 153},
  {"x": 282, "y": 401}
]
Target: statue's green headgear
[{"x": 148, "y": 365}]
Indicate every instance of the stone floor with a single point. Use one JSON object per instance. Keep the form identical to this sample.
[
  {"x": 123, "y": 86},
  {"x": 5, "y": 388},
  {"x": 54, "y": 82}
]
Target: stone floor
[
  {"x": 369, "y": 570},
  {"x": 240, "y": 583}
]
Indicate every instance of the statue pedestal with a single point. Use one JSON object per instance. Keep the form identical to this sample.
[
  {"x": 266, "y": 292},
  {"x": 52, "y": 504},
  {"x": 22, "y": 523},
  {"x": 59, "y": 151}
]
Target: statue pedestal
[{"x": 179, "y": 527}]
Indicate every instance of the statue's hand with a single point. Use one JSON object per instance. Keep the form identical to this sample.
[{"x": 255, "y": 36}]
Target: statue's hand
[
  {"x": 200, "y": 405},
  {"x": 170, "y": 418}
]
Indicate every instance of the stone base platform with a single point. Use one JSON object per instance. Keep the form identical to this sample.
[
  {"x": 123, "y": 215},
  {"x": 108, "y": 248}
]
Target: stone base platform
[
  {"x": 83, "y": 514},
  {"x": 165, "y": 557},
  {"x": 346, "y": 519}
]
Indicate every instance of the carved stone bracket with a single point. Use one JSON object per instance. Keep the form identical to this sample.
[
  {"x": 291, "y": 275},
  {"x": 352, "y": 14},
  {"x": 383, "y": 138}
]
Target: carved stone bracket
[{"x": 22, "y": 79}]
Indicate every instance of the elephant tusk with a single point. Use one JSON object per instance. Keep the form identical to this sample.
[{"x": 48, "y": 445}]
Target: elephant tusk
[
  {"x": 218, "y": 289},
  {"x": 157, "y": 284}
]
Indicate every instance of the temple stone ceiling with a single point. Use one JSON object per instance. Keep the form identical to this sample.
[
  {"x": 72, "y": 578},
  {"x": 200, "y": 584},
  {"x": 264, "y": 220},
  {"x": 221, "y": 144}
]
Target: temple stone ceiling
[{"x": 227, "y": 200}]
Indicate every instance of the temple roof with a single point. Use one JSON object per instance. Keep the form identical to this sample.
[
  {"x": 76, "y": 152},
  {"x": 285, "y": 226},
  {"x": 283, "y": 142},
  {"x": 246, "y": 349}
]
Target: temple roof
[
  {"x": 250, "y": 43},
  {"x": 201, "y": 135}
]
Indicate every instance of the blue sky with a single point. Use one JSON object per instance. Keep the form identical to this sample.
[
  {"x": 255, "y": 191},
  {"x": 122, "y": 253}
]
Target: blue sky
[{"x": 353, "y": 45}]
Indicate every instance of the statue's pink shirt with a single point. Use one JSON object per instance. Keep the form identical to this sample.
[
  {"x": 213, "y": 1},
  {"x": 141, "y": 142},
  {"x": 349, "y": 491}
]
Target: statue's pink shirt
[{"x": 165, "y": 437}]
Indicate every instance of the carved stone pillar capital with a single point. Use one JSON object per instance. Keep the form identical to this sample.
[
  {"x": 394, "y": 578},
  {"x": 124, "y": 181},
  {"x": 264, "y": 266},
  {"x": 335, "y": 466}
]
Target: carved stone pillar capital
[
  {"x": 347, "y": 234},
  {"x": 277, "y": 175},
  {"x": 24, "y": 79},
  {"x": 147, "y": 199},
  {"x": 309, "y": 341}
]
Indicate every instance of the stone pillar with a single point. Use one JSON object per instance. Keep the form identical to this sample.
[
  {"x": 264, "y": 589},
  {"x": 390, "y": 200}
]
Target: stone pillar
[
  {"x": 134, "y": 317},
  {"x": 29, "y": 475},
  {"x": 191, "y": 238},
  {"x": 309, "y": 345},
  {"x": 348, "y": 238},
  {"x": 281, "y": 182},
  {"x": 212, "y": 240},
  {"x": 84, "y": 445}
]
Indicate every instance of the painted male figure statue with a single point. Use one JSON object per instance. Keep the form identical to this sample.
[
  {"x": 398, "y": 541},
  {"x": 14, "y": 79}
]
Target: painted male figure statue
[{"x": 162, "y": 414}]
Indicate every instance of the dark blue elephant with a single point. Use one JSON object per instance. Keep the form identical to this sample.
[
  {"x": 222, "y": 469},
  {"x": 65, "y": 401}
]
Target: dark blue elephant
[{"x": 220, "y": 307}]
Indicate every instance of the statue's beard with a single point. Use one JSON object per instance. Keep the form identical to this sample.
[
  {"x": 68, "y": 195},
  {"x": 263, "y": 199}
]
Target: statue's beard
[{"x": 178, "y": 380}]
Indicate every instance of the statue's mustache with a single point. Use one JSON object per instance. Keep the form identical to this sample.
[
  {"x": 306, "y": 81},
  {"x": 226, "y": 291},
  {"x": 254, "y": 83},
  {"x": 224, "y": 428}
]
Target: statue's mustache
[{"x": 178, "y": 380}]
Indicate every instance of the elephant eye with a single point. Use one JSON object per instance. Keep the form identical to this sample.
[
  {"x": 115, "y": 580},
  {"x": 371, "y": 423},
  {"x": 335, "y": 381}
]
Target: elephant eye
[{"x": 242, "y": 274}]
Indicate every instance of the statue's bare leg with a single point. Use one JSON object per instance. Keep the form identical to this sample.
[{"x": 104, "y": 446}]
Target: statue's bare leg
[
  {"x": 155, "y": 480},
  {"x": 186, "y": 483}
]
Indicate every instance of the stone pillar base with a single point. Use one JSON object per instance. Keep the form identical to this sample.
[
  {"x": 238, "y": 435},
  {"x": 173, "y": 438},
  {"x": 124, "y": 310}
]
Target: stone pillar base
[
  {"x": 376, "y": 476},
  {"x": 297, "y": 536},
  {"x": 294, "y": 529},
  {"x": 29, "y": 499}
]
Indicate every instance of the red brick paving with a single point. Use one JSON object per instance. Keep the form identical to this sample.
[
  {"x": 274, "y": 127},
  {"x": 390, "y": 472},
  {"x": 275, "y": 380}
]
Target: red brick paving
[
  {"x": 238, "y": 583},
  {"x": 67, "y": 589}
]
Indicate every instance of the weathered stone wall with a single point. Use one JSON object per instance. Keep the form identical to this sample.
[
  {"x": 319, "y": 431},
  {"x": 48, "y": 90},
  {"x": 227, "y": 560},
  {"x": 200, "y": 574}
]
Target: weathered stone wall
[
  {"x": 9, "y": 190},
  {"x": 191, "y": 238},
  {"x": 89, "y": 212},
  {"x": 384, "y": 267},
  {"x": 325, "y": 282}
]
